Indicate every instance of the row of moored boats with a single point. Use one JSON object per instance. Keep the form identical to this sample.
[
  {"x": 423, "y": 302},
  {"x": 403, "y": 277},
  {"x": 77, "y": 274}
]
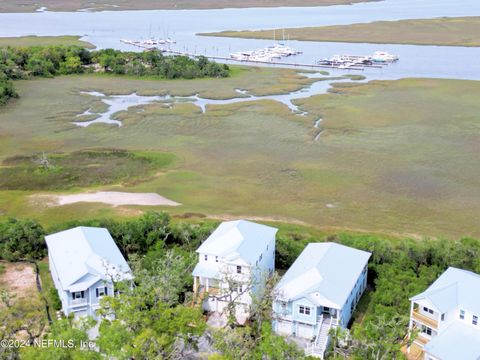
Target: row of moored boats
[
  {"x": 267, "y": 54},
  {"x": 345, "y": 61},
  {"x": 150, "y": 44}
]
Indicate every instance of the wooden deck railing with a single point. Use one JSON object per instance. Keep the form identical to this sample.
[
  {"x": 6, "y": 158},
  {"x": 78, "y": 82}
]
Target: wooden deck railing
[{"x": 432, "y": 323}]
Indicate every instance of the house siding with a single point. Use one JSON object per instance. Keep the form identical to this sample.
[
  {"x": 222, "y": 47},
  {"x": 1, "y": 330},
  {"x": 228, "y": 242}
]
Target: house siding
[
  {"x": 256, "y": 271},
  {"x": 354, "y": 298},
  {"x": 291, "y": 311}
]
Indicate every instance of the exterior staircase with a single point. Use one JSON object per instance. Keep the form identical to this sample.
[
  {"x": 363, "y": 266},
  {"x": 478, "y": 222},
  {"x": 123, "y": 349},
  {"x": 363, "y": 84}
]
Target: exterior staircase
[
  {"x": 320, "y": 344},
  {"x": 198, "y": 296}
]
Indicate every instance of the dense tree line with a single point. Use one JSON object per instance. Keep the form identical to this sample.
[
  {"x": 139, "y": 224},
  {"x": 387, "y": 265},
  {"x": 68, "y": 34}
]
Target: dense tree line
[
  {"x": 48, "y": 61},
  {"x": 21, "y": 240}
]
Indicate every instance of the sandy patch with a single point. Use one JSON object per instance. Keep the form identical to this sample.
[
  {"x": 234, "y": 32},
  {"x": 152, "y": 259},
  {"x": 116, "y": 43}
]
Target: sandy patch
[
  {"x": 113, "y": 198},
  {"x": 18, "y": 279}
]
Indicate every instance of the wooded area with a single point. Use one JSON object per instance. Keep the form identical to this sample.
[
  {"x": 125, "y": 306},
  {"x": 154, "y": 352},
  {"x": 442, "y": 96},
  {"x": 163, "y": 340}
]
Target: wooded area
[{"x": 48, "y": 61}]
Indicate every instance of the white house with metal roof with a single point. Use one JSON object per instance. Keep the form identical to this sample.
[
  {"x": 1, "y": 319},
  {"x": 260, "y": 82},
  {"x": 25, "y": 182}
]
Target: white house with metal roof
[
  {"x": 84, "y": 264},
  {"x": 446, "y": 318},
  {"x": 318, "y": 292},
  {"x": 232, "y": 263}
]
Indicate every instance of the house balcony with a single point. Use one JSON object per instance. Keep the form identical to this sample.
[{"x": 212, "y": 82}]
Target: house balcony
[
  {"x": 426, "y": 320},
  {"x": 213, "y": 291},
  {"x": 421, "y": 340},
  {"x": 78, "y": 302},
  {"x": 414, "y": 352}
]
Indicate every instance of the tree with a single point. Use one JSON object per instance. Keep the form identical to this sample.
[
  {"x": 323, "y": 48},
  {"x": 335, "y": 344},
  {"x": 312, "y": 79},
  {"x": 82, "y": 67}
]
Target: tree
[
  {"x": 149, "y": 322},
  {"x": 69, "y": 335},
  {"x": 71, "y": 65},
  {"x": 22, "y": 240},
  {"x": 380, "y": 339}
]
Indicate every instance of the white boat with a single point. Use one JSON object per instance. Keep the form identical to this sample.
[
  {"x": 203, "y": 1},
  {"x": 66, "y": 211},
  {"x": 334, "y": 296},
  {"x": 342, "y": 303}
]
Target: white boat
[{"x": 383, "y": 56}]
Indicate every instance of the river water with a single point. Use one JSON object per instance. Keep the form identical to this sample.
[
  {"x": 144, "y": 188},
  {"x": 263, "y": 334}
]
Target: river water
[{"x": 105, "y": 29}]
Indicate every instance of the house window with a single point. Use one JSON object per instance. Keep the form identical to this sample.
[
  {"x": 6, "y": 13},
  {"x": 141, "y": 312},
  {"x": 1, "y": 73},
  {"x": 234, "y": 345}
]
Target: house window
[
  {"x": 475, "y": 320},
  {"x": 426, "y": 330},
  {"x": 430, "y": 311},
  {"x": 237, "y": 288},
  {"x": 78, "y": 295},
  {"x": 205, "y": 257},
  {"x": 101, "y": 291},
  {"x": 305, "y": 310},
  {"x": 239, "y": 269},
  {"x": 216, "y": 258},
  {"x": 443, "y": 317},
  {"x": 462, "y": 314},
  {"x": 261, "y": 255}
]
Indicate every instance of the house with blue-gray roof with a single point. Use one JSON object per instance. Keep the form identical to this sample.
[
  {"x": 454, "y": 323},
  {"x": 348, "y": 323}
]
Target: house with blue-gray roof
[
  {"x": 444, "y": 319},
  {"x": 320, "y": 291},
  {"x": 85, "y": 263},
  {"x": 232, "y": 262}
]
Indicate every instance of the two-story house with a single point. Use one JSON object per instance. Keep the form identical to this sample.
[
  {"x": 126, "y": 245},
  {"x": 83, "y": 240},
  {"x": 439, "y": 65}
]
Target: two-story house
[
  {"x": 318, "y": 292},
  {"x": 232, "y": 264},
  {"x": 85, "y": 263},
  {"x": 445, "y": 318}
]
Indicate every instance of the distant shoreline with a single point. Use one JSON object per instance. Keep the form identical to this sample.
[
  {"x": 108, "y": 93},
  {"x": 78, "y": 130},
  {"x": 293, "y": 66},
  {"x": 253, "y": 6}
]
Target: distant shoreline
[
  {"x": 454, "y": 31},
  {"x": 26, "y": 41},
  {"x": 29, "y": 6}
]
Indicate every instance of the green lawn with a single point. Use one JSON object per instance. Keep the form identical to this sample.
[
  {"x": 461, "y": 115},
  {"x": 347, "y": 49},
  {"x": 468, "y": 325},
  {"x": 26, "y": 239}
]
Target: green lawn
[
  {"x": 461, "y": 31},
  {"x": 25, "y": 41},
  {"x": 396, "y": 157}
]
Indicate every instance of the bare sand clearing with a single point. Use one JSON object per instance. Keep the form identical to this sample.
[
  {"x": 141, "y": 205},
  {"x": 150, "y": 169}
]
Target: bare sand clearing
[
  {"x": 18, "y": 279},
  {"x": 113, "y": 198}
]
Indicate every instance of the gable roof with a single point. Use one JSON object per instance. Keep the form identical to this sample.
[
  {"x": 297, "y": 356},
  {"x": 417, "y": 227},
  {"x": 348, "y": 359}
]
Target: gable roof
[
  {"x": 454, "y": 288},
  {"x": 324, "y": 273},
  {"x": 458, "y": 341},
  {"x": 238, "y": 239},
  {"x": 84, "y": 255}
]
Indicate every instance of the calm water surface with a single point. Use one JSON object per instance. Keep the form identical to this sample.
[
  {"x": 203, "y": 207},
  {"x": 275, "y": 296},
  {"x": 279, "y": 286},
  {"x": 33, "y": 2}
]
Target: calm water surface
[{"x": 105, "y": 29}]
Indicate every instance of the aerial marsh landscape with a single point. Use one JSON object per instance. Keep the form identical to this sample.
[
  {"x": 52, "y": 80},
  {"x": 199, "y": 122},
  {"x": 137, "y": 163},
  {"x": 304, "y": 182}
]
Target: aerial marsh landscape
[
  {"x": 392, "y": 156},
  {"x": 461, "y": 31},
  {"x": 239, "y": 180}
]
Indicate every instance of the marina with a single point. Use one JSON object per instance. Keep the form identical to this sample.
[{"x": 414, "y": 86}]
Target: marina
[
  {"x": 271, "y": 55},
  {"x": 104, "y": 29}
]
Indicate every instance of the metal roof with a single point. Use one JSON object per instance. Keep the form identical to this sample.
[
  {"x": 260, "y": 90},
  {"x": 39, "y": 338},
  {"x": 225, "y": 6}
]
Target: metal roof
[
  {"x": 84, "y": 255},
  {"x": 454, "y": 288},
  {"x": 238, "y": 239},
  {"x": 324, "y": 273},
  {"x": 458, "y": 341}
]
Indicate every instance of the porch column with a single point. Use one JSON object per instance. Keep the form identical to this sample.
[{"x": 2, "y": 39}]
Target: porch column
[
  {"x": 195, "y": 286},
  {"x": 206, "y": 284}
]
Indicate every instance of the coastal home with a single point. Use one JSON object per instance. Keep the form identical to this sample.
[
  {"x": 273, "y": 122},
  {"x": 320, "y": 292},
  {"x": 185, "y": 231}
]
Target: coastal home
[
  {"x": 84, "y": 264},
  {"x": 318, "y": 292},
  {"x": 232, "y": 264},
  {"x": 445, "y": 318}
]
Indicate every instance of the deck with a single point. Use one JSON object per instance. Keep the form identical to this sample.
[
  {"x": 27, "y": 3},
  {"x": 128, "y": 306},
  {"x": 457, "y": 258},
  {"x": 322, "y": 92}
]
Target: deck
[
  {"x": 416, "y": 352},
  {"x": 425, "y": 319}
]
